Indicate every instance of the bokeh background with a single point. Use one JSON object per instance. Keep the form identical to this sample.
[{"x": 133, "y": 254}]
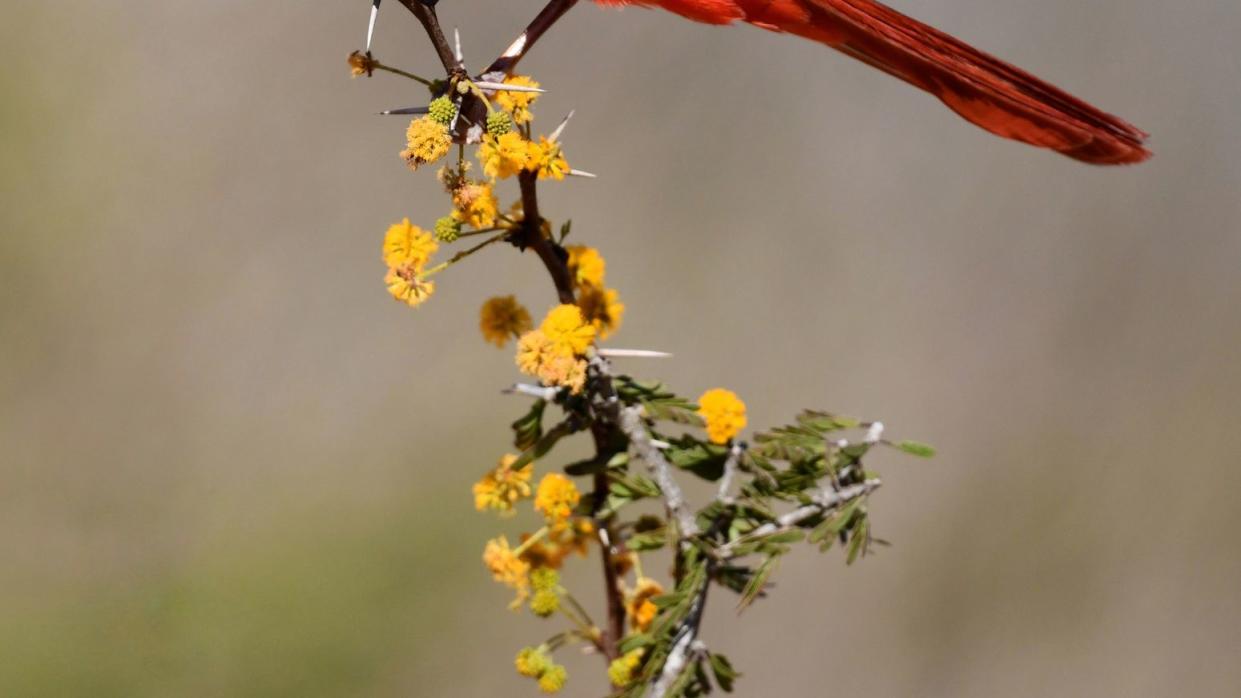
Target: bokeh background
[{"x": 231, "y": 465}]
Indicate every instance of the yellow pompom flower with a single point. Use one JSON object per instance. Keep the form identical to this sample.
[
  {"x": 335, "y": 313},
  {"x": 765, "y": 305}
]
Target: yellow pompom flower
[
  {"x": 641, "y": 609},
  {"x": 427, "y": 140},
  {"x": 361, "y": 64},
  {"x": 503, "y": 156},
  {"x": 724, "y": 413},
  {"x": 474, "y": 204},
  {"x": 620, "y": 671},
  {"x": 532, "y": 661},
  {"x": 507, "y": 568},
  {"x": 567, "y": 330},
  {"x": 564, "y": 372},
  {"x": 405, "y": 286},
  {"x": 586, "y": 265},
  {"x": 556, "y": 497},
  {"x": 518, "y": 104},
  {"x": 547, "y": 159},
  {"x": 532, "y": 348},
  {"x": 503, "y": 486},
  {"x": 407, "y": 245},
  {"x": 553, "y": 679},
  {"x": 602, "y": 308},
  {"x": 502, "y": 318}
]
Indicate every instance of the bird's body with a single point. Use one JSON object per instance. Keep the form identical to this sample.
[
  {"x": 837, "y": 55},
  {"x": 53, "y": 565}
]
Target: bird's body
[{"x": 994, "y": 95}]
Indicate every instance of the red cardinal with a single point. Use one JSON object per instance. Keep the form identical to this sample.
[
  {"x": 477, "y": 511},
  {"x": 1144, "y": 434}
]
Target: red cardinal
[{"x": 988, "y": 92}]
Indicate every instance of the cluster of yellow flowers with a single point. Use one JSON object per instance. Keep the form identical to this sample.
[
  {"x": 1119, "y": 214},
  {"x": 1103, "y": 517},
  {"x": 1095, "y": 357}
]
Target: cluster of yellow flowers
[
  {"x": 504, "y": 486},
  {"x": 406, "y": 250},
  {"x": 724, "y": 414},
  {"x": 600, "y": 305},
  {"x": 504, "y": 152},
  {"x": 554, "y": 352},
  {"x": 530, "y": 568},
  {"x": 621, "y": 670},
  {"x": 536, "y": 663}
]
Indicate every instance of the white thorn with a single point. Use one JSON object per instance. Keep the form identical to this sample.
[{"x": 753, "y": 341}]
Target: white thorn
[
  {"x": 583, "y": 173},
  {"x": 370, "y": 28},
  {"x": 560, "y": 129},
  {"x": 532, "y": 390},
  {"x": 875, "y": 433},
  {"x": 661, "y": 445},
  {"x": 633, "y": 354},
  {"x": 504, "y": 87},
  {"x": 457, "y": 35}
]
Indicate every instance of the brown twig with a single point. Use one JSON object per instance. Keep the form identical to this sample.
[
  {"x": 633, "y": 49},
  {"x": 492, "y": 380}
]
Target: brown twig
[
  {"x": 431, "y": 23},
  {"x": 552, "y": 13},
  {"x": 553, "y": 256}
]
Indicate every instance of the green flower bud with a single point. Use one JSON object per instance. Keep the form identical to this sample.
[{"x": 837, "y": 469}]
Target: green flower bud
[
  {"x": 553, "y": 680},
  {"x": 532, "y": 662},
  {"x": 447, "y": 229},
  {"x": 544, "y": 603},
  {"x": 443, "y": 110},
  {"x": 544, "y": 579},
  {"x": 499, "y": 123}
]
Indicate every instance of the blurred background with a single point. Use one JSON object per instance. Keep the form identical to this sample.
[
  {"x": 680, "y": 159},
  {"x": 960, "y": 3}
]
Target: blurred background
[{"x": 231, "y": 465}]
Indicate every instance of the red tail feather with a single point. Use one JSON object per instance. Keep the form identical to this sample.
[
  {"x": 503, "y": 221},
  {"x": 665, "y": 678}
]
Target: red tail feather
[{"x": 986, "y": 91}]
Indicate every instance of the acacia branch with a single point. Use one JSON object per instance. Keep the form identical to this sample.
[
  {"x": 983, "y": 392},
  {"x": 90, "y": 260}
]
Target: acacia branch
[
  {"x": 825, "y": 501},
  {"x": 553, "y": 257},
  {"x": 674, "y": 499},
  {"x": 508, "y": 60},
  {"x": 431, "y": 23}
]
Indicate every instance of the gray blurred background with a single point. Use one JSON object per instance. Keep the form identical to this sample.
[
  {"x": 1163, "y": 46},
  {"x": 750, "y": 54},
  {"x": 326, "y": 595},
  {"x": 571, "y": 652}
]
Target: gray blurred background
[{"x": 231, "y": 465}]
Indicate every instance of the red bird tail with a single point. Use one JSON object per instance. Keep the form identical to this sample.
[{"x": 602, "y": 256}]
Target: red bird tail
[{"x": 986, "y": 91}]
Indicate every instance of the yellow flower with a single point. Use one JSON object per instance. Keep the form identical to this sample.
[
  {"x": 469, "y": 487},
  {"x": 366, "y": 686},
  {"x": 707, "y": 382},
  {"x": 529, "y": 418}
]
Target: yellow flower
[
  {"x": 507, "y": 568},
  {"x": 532, "y": 348},
  {"x": 503, "y": 156},
  {"x": 641, "y": 609},
  {"x": 503, "y": 486},
  {"x": 407, "y": 245},
  {"x": 724, "y": 413},
  {"x": 567, "y": 330},
  {"x": 620, "y": 671},
  {"x": 547, "y": 159},
  {"x": 556, "y": 497},
  {"x": 474, "y": 203},
  {"x": 573, "y": 535},
  {"x": 586, "y": 265},
  {"x": 405, "y": 286},
  {"x": 602, "y": 309},
  {"x": 553, "y": 679},
  {"x": 563, "y": 372},
  {"x": 361, "y": 64},
  {"x": 532, "y": 661},
  {"x": 539, "y": 356},
  {"x": 518, "y": 103},
  {"x": 427, "y": 140},
  {"x": 501, "y": 318}
]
